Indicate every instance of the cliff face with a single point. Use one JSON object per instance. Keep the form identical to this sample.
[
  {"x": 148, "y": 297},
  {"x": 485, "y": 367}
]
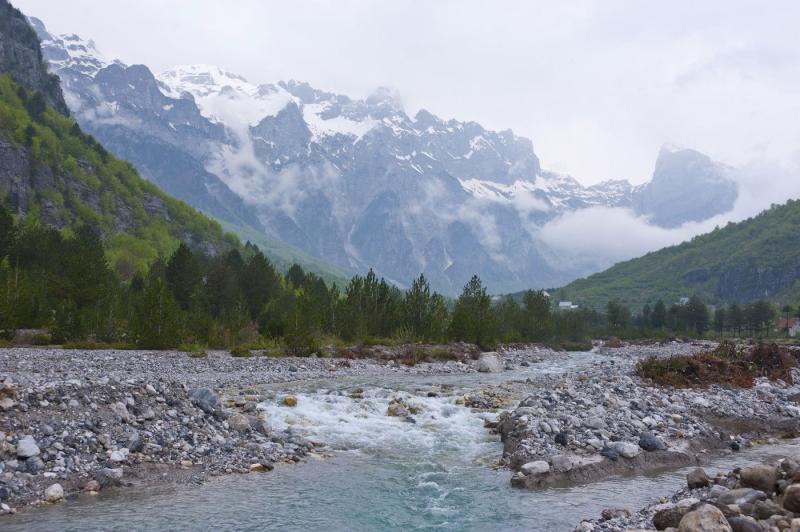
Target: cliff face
[
  {"x": 21, "y": 57},
  {"x": 745, "y": 282}
]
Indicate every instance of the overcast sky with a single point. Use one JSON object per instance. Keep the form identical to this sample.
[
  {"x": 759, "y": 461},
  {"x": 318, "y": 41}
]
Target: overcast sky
[{"x": 597, "y": 85}]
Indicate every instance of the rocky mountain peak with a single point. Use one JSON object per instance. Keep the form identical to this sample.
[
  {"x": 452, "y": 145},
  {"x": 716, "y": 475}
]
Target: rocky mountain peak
[{"x": 21, "y": 57}]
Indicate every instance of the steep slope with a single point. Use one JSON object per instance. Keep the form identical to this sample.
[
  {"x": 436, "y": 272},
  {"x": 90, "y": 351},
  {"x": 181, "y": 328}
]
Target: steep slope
[
  {"x": 358, "y": 183},
  {"x": 51, "y": 170},
  {"x": 756, "y": 258}
]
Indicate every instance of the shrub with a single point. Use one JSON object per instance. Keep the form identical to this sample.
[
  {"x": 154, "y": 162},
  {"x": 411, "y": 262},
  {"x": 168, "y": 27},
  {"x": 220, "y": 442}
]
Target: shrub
[
  {"x": 241, "y": 351},
  {"x": 194, "y": 350},
  {"x": 727, "y": 364}
]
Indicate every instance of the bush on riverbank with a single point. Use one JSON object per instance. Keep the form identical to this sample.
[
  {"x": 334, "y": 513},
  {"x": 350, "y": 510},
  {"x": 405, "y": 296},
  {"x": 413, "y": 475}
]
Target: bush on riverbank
[{"x": 728, "y": 364}]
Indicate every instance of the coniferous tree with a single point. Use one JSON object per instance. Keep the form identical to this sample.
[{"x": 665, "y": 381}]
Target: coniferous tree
[
  {"x": 473, "y": 316},
  {"x": 659, "y": 318}
]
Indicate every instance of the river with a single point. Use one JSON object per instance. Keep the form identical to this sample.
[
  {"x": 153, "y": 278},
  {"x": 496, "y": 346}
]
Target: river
[{"x": 387, "y": 473}]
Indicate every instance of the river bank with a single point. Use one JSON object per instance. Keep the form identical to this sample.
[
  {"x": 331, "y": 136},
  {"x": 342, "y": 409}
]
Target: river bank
[
  {"x": 753, "y": 497},
  {"x": 606, "y": 421}
]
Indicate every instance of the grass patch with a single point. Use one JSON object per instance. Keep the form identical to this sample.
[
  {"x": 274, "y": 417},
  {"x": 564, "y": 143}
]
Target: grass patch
[
  {"x": 89, "y": 345},
  {"x": 194, "y": 350},
  {"x": 241, "y": 351},
  {"x": 728, "y": 364}
]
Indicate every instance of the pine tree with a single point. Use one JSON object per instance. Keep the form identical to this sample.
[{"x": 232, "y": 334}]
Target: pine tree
[{"x": 474, "y": 319}]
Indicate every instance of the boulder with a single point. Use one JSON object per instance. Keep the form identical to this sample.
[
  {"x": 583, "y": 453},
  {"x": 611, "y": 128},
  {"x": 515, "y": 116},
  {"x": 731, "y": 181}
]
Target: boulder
[
  {"x": 626, "y": 449},
  {"x": 669, "y": 517},
  {"x": 697, "y": 479},
  {"x": 539, "y": 467},
  {"x": 489, "y": 363},
  {"x": 206, "y": 400},
  {"x": 760, "y": 477},
  {"x": 766, "y": 509},
  {"x": 562, "y": 463},
  {"x": 108, "y": 477},
  {"x": 54, "y": 493},
  {"x": 610, "y": 453},
  {"x": 744, "y": 523},
  {"x": 649, "y": 442},
  {"x": 705, "y": 518},
  {"x": 742, "y": 496},
  {"x": 791, "y": 498},
  {"x": 260, "y": 468},
  {"x": 239, "y": 423},
  {"x": 27, "y": 447}
]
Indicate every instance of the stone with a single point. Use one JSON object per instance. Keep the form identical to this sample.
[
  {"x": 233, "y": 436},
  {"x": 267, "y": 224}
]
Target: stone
[
  {"x": 119, "y": 455},
  {"x": 760, "y": 477},
  {"x": 206, "y": 400},
  {"x": 538, "y": 467},
  {"x": 7, "y": 403},
  {"x": 717, "y": 490},
  {"x": 108, "y": 477},
  {"x": 121, "y": 411},
  {"x": 92, "y": 485},
  {"x": 239, "y": 423},
  {"x": 744, "y": 523},
  {"x": 27, "y": 447},
  {"x": 54, "y": 493},
  {"x": 626, "y": 449},
  {"x": 791, "y": 498},
  {"x": 669, "y": 517},
  {"x": 489, "y": 363},
  {"x": 741, "y": 496},
  {"x": 290, "y": 400},
  {"x": 260, "y": 468},
  {"x": 562, "y": 463},
  {"x": 610, "y": 453},
  {"x": 697, "y": 479},
  {"x": 562, "y": 438},
  {"x": 650, "y": 443},
  {"x": 706, "y": 518},
  {"x": 766, "y": 509},
  {"x": 614, "y": 513}
]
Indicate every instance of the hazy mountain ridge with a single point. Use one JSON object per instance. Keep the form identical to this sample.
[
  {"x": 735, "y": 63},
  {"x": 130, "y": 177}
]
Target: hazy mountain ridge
[
  {"x": 359, "y": 183},
  {"x": 756, "y": 258}
]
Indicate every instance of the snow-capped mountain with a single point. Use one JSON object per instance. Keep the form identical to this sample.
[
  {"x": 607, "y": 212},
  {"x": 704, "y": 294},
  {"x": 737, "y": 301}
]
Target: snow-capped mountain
[{"x": 359, "y": 183}]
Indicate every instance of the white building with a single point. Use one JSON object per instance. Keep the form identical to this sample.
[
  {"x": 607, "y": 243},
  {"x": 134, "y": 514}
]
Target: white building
[
  {"x": 794, "y": 330},
  {"x": 566, "y": 305}
]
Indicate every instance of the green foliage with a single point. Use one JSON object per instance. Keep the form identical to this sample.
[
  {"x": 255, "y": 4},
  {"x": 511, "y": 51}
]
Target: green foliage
[
  {"x": 768, "y": 242},
  {"x": 474, "y": 318}
]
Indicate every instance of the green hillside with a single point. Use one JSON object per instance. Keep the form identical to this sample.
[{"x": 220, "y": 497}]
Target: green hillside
[
  {"x": 752, "y": 259},
  {"x": 54, "y": 173}
]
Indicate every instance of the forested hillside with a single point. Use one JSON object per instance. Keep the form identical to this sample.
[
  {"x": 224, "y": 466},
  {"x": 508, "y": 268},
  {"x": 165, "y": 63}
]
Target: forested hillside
[{"x": 754, "y": 259}]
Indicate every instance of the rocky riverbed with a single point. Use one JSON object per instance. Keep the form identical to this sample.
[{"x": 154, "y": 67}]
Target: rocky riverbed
[
  {"x": 606, "y": 421},
  {"x": 75, "y": 420},
  {"x": 763, "y": 497}
]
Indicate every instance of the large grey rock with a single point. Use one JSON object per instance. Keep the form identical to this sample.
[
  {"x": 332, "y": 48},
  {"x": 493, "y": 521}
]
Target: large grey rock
[
  {"x": 109, "y": 477},
  {"x": 538, "y": 467},
  {"x": 649, "y": 442},
  {"x": 625, "y": 449},
  {"x": 489, "y": 363},
  {"x": 27, "y": 447},
  {"x": 54, "y": 493},
  {"x": 697, "y": 478},
  {"x": 669, "y": 517},
  {"x": 706, "y": 518},
  {"x": 206, "y": 400},
  {"x": 791, "y": 498},
  {"x": 239, "y": 423},
  {"x": 741, "y": 496},
  {"x": 761, "y": 477}
]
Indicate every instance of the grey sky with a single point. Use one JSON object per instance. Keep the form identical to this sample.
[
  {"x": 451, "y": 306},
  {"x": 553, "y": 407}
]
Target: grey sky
[{"x": 597, "y": 85}]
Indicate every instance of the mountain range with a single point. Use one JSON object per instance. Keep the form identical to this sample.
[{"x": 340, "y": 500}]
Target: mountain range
[{"x": 359, "y": 184}]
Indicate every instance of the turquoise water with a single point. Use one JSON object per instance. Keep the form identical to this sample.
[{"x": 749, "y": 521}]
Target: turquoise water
[{"x": 387, "y": 474}]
